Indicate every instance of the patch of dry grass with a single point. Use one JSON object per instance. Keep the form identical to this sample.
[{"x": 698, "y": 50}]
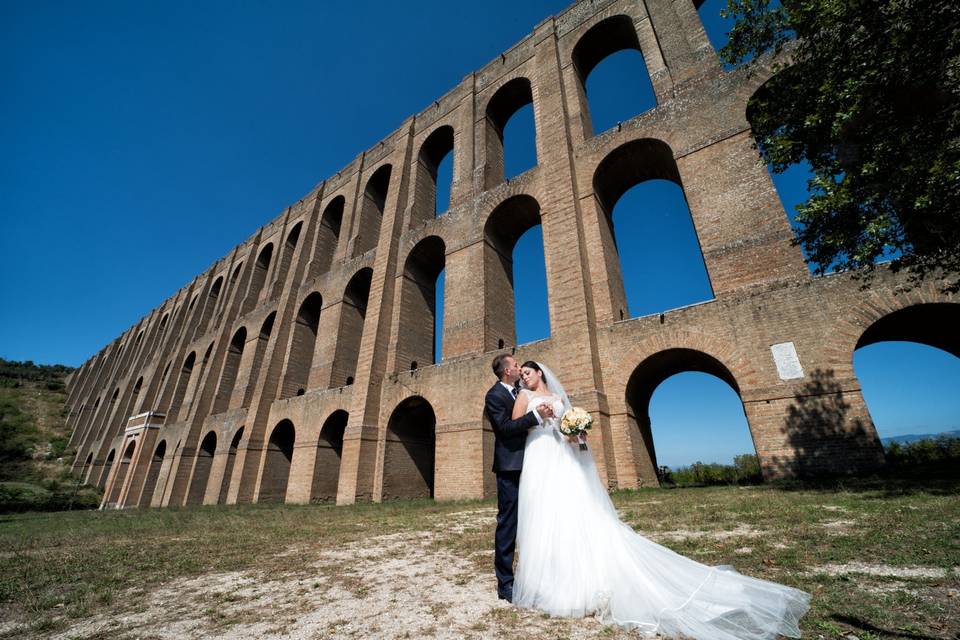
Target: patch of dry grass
[{"x": 424, "y": 569}]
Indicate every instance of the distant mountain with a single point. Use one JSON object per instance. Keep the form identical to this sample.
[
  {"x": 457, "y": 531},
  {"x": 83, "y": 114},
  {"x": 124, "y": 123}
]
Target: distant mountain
[{"x": 913, "y": 437}]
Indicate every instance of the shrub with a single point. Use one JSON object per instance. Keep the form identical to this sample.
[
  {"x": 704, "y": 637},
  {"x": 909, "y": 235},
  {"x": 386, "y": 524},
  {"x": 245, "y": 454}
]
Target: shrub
[
  {"x": 941, "y": 451},
  {"x": 744, "y": 470}
]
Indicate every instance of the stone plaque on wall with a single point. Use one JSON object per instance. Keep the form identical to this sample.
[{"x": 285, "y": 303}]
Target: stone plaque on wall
[{"x": 788, "y": 364}]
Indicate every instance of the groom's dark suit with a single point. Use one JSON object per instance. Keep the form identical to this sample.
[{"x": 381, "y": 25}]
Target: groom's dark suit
[{"x": 510, "y": 436}]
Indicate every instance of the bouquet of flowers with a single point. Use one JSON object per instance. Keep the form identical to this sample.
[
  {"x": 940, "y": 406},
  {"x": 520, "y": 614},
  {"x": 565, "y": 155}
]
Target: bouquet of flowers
[{"x": 576, "y": 422}]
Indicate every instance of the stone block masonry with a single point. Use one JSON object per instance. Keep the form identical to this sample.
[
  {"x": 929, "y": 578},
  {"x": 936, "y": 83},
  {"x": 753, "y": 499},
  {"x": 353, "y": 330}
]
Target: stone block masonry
[{"x": 300, "y": 366}]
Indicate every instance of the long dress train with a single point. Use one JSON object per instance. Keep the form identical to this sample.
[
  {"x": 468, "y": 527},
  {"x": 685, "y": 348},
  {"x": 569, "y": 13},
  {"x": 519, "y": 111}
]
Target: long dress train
[{"x": 577, "y": 558}]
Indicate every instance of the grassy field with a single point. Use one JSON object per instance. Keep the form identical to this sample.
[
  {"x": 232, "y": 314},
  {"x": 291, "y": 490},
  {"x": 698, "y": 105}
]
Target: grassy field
[{"x": 881, "y": 560}]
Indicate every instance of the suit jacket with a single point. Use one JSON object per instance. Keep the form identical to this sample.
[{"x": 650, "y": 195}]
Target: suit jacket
[{"x": 510, "y": 435}]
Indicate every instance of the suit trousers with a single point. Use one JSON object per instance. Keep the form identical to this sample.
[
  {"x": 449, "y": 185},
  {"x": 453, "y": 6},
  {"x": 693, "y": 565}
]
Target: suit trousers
[{"x": 508, "y": 491}]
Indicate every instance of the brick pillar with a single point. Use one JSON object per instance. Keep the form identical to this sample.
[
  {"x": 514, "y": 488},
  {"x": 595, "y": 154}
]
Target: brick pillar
[
  {"x": 731, "y": 197},
  {"x": 365, "y": 429}
]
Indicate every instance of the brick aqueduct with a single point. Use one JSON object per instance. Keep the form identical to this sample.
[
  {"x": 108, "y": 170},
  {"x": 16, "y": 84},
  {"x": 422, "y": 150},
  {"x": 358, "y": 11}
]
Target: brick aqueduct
[{"x": 288, "y": 370}]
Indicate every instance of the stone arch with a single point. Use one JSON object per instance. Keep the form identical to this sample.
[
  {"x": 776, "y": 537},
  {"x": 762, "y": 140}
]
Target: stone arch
[
  {"x": 408, "y": 461},
  {"x": 88, "y": 463},
  {"x": 932, "y": 324},
  {"x": 183, "y": 380},
  {"x": 163, "y": 323},
  {"x": 289, "y": 247},
  {"x": 371, "y": 210},
  {"x": 644, "y": 380},
  {"x": 260, "y": 270},
  {"x": 210, "y": 305},
  {"x": 116, "y": 487},
  {"x": 236, "y": 273},
  {"x": 607, "y": 37},
  {"x": 228, "y": 467},
  {"x": 326, "y": 467},
  {"x": 107, "y": 466},
  {"x": 508, "y": 221},
  {"x": 153, "y": 474},
  {"x": 201, "y": 468},
  {"x": 276, "y": 464},
  {"x": 416, "y": 340},
  {"x": 508, "y": 99},
  {"x": 625, "y": 167},
  {"x": 328, "y": 233},
  {"x": 108, "y": 412},
  {"x": 303, "y": 344},
  {"x": 263, "y": 338},
  {"x": 231, "y": 367},
  {"x": 434, "y": 150},
  {"x": 353, "y": 312}
]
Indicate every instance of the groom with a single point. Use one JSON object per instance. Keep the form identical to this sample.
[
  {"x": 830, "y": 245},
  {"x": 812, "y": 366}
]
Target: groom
[{"x": 510, "y": 437}]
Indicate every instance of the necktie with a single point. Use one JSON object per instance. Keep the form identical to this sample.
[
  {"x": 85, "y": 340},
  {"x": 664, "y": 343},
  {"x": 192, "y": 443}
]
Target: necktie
[{"x": 513, "y": 392}]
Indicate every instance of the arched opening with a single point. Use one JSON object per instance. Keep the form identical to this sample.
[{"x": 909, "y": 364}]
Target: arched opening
[
  {"x": 182, "y": 381},
  {"x": 417, "y": 333},
  {"x": 353, "y": 312},
  {"x": 510, "y": 221},
  {"x": 326, "y": 468},
  {"x": 328, "y": 234},
  {"x": 139, "y": 338},
  {"x": 371, "y": 210},
  {"x": 163, "y": 323},
  {"x": 231, "y": 366},
  {"x": 117, "y": 487},
  {"x": 431, "y": 197},
  {"x": 201, "y": 469},
  {"x": 210, "y": 305},
  {"x": 228, "y": 468},
  {"x": 260, "y": 269},
  {"x": 908, "y": 365},
  {"x": 107, "y": 466},
  {"x": 153, "y": 473},
  {"x": 85, "y": 473},
  {"x": 126, "y": 407},
  {"x": 656, "y": 211},
  {"x": 408, "y": 461},
  {"x": 716, "y": 26},
  {"x": 289, "y": 247},
  {"x": 263, "y": 338},
  {"x": 303, "y": 343},
  {"x": 510, "y": 99},
  {"x": 236, "y": 273},
  {"x": 791, "y": 184},
  {"x": 682, "y": 441},
  {"x": 108, "y": 413},
  {"x": 276, "y": 468},
  {"x": 621, "y": 87}
]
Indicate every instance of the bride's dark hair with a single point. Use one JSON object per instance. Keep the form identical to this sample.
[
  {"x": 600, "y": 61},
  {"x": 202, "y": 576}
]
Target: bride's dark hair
[{"x": 530, "y": 364}]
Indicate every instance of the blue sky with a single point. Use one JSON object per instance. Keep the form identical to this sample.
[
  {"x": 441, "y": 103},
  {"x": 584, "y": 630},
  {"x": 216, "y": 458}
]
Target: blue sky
[{"x": 144, "y": 140}]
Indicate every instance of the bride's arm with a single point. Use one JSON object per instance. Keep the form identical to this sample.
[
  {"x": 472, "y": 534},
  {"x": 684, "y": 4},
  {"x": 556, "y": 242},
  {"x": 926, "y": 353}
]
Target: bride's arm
[{"x": 520, "y": 405}]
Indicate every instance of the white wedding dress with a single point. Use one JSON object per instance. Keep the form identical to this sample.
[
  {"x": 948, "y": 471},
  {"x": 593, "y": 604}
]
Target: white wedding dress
[{"x": 577, "y": 558}]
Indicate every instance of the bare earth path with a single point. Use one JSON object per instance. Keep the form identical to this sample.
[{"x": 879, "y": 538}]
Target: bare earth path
[{"x": 880, "y": 565}]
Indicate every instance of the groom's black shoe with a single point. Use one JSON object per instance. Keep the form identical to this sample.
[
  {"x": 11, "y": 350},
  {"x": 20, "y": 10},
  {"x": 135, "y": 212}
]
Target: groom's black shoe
[{"x": 505, "y": 595}]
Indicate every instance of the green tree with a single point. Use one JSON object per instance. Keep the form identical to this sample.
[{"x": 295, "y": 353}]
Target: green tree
[{"x": 866, "y": 92}]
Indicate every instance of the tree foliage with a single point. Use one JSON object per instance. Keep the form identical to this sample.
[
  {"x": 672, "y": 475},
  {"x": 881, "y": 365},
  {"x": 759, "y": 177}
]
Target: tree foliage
[{"x": 866, "y": 92}]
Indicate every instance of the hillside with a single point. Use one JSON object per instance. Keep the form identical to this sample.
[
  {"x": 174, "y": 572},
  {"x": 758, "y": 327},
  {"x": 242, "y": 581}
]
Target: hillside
[{"x": 34, "y": 460}]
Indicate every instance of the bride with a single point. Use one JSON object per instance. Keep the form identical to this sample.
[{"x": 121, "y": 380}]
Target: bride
[{"x": 577, "y": 558}]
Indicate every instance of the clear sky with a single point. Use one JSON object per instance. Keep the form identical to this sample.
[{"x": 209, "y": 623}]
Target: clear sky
[{"x": 142, "y": 141}]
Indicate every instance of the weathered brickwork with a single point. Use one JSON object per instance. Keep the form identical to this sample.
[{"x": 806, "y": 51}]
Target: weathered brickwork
[{"x": 300, "y": 366}]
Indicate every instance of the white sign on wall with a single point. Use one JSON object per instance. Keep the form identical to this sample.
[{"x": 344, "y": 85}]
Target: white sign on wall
[{"x": 788, "y": 364}]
